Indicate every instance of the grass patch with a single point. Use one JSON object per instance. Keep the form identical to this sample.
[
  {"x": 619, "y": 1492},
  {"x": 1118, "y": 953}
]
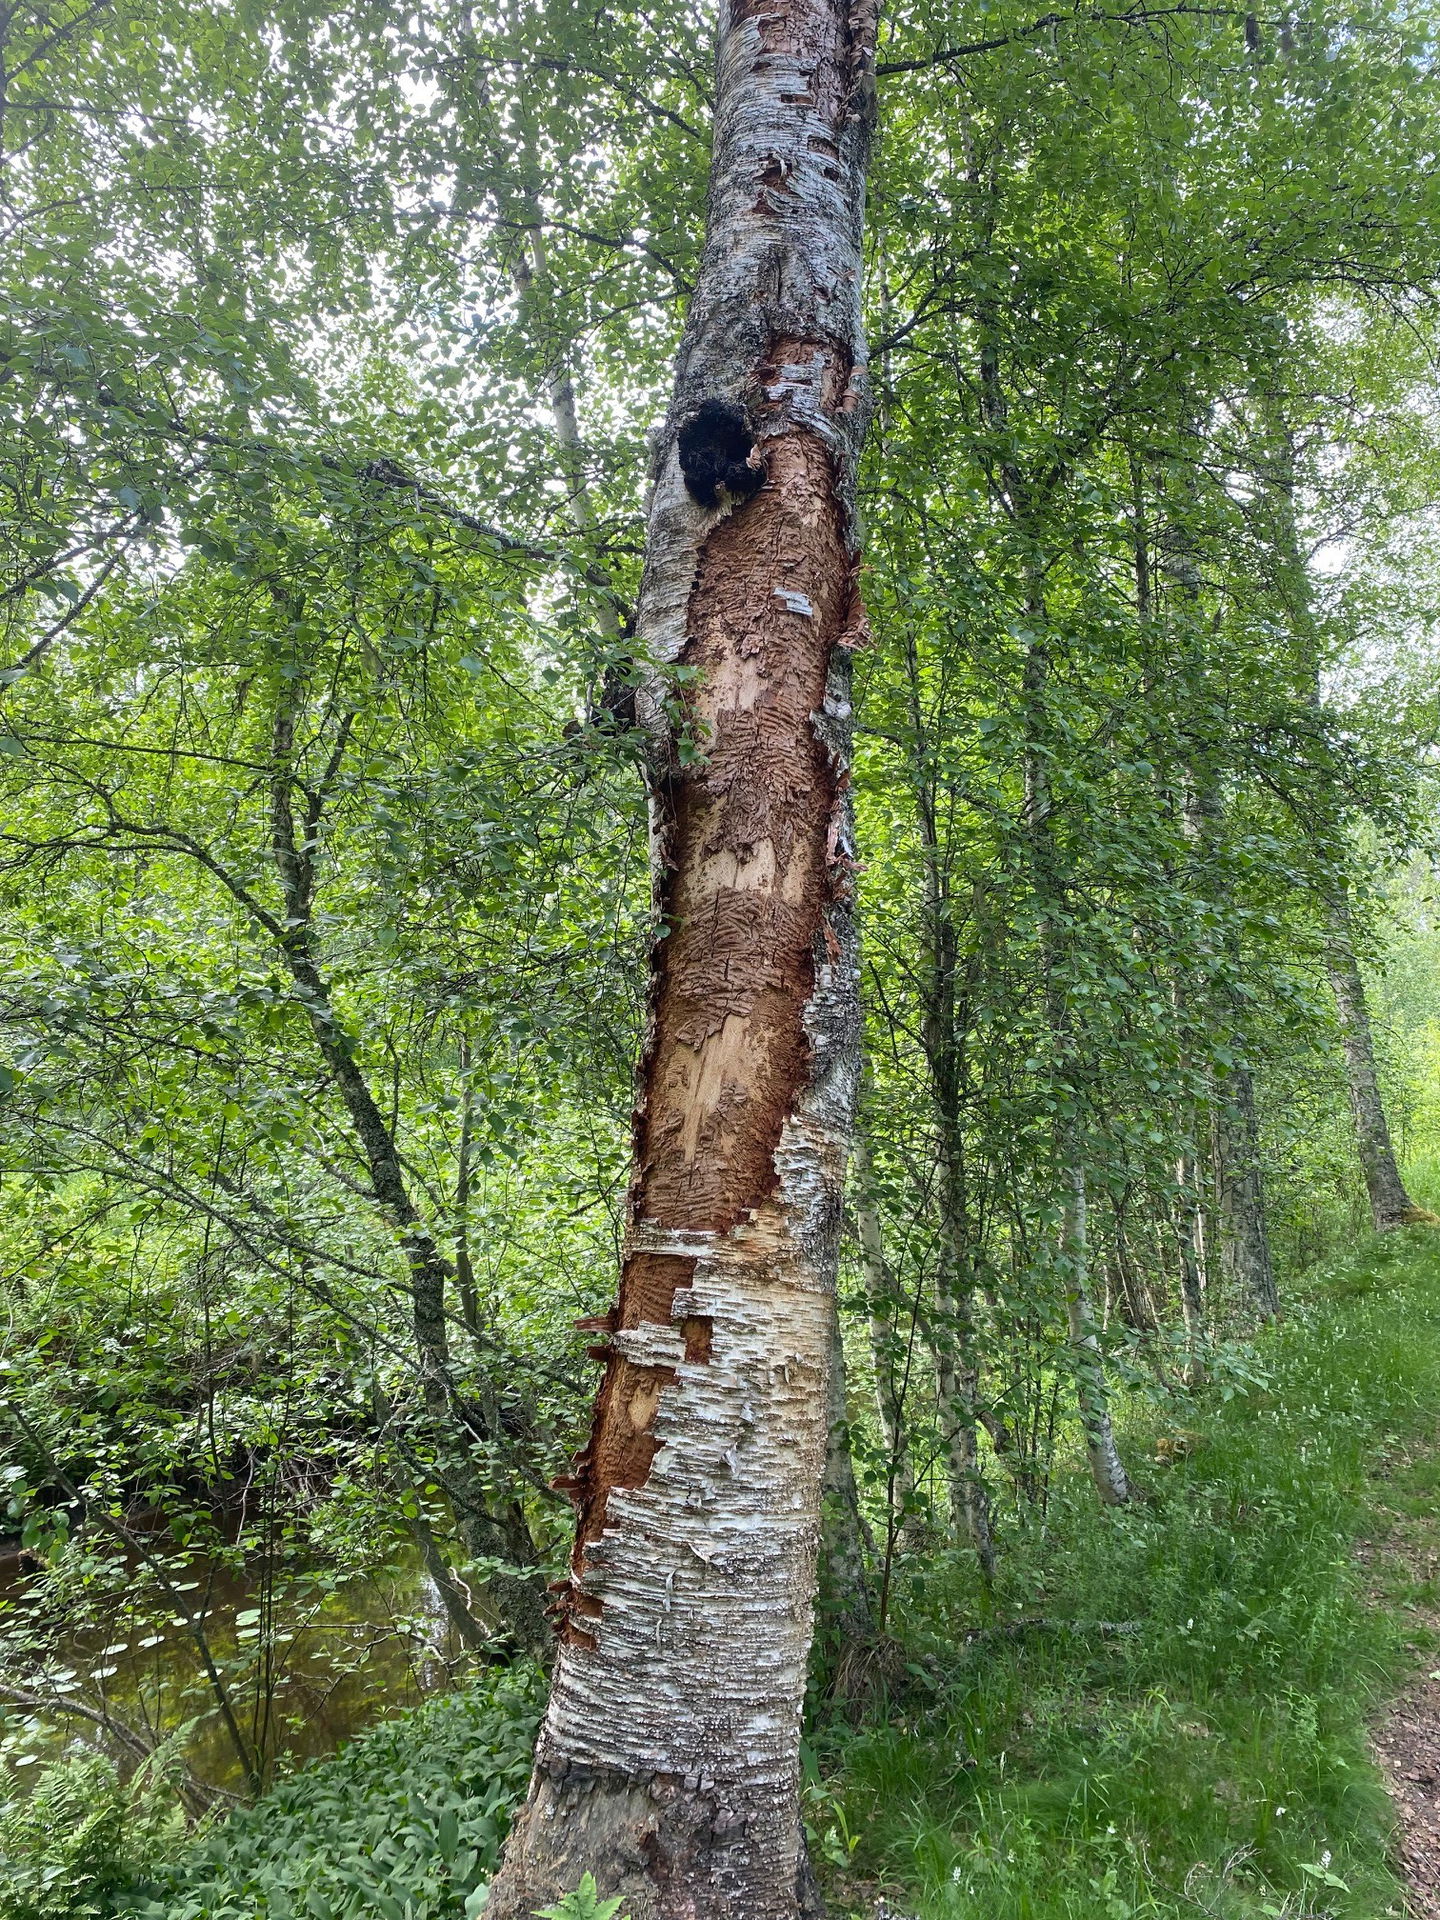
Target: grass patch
[
  {"x": 1209, "y": 1757},
  {"x": 1163, "y": 1714}
]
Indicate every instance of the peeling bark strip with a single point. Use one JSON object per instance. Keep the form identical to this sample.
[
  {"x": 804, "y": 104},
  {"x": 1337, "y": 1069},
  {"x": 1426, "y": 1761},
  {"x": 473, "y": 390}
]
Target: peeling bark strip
[{"x": 668, "y": 1763}]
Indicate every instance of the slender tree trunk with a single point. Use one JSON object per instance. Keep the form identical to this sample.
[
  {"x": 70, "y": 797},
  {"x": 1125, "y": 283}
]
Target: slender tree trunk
[
  {"x": 530, "y": 267},
  {"x": 1198, "y": 809},
  {"x": 464, "y": 1267},
  {"x": 1190, "y": 1240},
  {"x": 843, "y": 1536},
  {"x": 518, "y": 1595},
  {"x": 1194, "y": 1011},
  {"x": 1135, "y": 1302},
  {"x": 1244, "y": 1237},
  {"x": 1390, "y": 1205},
  {"x": 956, "y": 1392},
  {"x": 668, "y": 1762},
  {"x": 1106, "y": 1467},
  {"x": 955, "y": 1337},
  {"x": 883, "y": 1299},
  {"x": 957, "y": 1363},
  {"x": 1086, "y": 1359}
]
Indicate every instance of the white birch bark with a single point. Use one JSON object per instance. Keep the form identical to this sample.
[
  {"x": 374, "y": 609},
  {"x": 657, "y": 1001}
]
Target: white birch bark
[
  {"x": 1106, "y": 1468},
  {"x": 1198, "y": 821},
  {"x": 668, "y": 1762},
  {"x": 1190, "y": 1236},
  {"x": 1390, "y": 1204},
  {"x": 956, "y": 1389}
]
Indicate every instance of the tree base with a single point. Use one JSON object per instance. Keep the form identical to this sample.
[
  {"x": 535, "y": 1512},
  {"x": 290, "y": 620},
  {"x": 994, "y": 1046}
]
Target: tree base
[{"x": 669, "y": 1848}]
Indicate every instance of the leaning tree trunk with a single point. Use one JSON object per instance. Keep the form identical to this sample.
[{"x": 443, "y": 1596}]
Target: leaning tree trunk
[
  {"x": 1390, "y": 1205},
  {"x": 516, "y": 1587},
  {"x": 668, "y": 1762}
]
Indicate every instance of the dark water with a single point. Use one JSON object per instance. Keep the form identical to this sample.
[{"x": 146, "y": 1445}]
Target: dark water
[{"x": 303, "y": 1662}]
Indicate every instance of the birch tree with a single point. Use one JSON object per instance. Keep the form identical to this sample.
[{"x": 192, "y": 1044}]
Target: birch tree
[
  {"x": 668, "y": 1761},
  {"x": 1390, "y": 1203}
]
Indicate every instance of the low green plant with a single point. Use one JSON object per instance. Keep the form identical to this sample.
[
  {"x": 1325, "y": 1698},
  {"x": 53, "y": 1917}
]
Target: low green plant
[
  {"x": 74, "y": 1845},
  {"x": 584, "y": 1904},
  {"x": 406, "y": 1823}
]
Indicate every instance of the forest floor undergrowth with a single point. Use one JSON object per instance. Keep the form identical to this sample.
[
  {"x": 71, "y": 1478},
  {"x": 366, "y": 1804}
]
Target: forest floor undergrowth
[
  {"x": 1195, "y": 1729},
  {"x": 1178, "y": 1708}
]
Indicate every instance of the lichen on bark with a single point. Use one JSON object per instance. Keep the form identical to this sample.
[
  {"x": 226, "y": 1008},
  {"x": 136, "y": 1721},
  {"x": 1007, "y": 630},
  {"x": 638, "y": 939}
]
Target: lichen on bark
[{"x": 668, "y": 1761}]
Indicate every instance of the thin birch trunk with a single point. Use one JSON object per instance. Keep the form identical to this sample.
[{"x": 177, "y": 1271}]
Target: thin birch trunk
[
  {"x": 1240, "y": 1193},
  {"x": 1106, "y": 1468},
  {"x": 882, "y": 1299},
  {"x": 1086, "y": 1358},
  {"x": 668, "y": 1762},
  {"x": 1390, "y": 1204},
  {"x": 1199, "y": 809},
  {"x": 956, "y": 1391},
  {"x": 1190, "y": 1241},
  {"x": 1197, "y": 812}
]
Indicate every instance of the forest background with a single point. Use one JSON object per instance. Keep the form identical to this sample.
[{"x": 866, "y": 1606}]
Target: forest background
[{"x": 330, "y": 342}]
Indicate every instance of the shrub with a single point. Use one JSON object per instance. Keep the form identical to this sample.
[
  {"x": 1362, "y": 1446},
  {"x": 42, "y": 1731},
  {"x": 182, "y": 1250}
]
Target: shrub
[{"x": 74, "y": 1845}]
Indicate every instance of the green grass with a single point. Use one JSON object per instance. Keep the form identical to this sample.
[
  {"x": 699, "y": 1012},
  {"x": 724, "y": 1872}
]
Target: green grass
[
  {"x": 1422, "y": 1179},
  {"x": 1183, "y": 1735},
  {"x": 1211, "y": 1758}
]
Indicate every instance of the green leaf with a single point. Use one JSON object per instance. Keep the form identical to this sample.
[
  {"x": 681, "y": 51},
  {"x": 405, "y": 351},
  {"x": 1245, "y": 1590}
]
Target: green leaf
[{"x": 583, "y": 1904}]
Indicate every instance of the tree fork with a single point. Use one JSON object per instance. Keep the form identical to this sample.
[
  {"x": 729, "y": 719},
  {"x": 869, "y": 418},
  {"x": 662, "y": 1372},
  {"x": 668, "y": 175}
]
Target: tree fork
[{"x": 668, "y": 1762}]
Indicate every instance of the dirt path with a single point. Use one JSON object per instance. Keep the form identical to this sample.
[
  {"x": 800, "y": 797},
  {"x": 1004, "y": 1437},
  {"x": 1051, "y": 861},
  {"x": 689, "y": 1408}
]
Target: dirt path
[
  {"x": 1403, "y": 1569},
  {"x": 1407, "y": 1745}
]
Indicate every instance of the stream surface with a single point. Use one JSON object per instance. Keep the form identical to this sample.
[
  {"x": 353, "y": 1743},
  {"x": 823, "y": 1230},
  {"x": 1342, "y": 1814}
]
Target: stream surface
[{"x": 304, "y": 1663}]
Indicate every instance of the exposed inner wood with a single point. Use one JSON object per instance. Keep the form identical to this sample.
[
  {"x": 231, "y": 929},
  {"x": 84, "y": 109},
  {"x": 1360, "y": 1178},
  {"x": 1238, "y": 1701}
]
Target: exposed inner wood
[
  {"x": 752, "y": 867},
  {"x": 750, "y": 879}
]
